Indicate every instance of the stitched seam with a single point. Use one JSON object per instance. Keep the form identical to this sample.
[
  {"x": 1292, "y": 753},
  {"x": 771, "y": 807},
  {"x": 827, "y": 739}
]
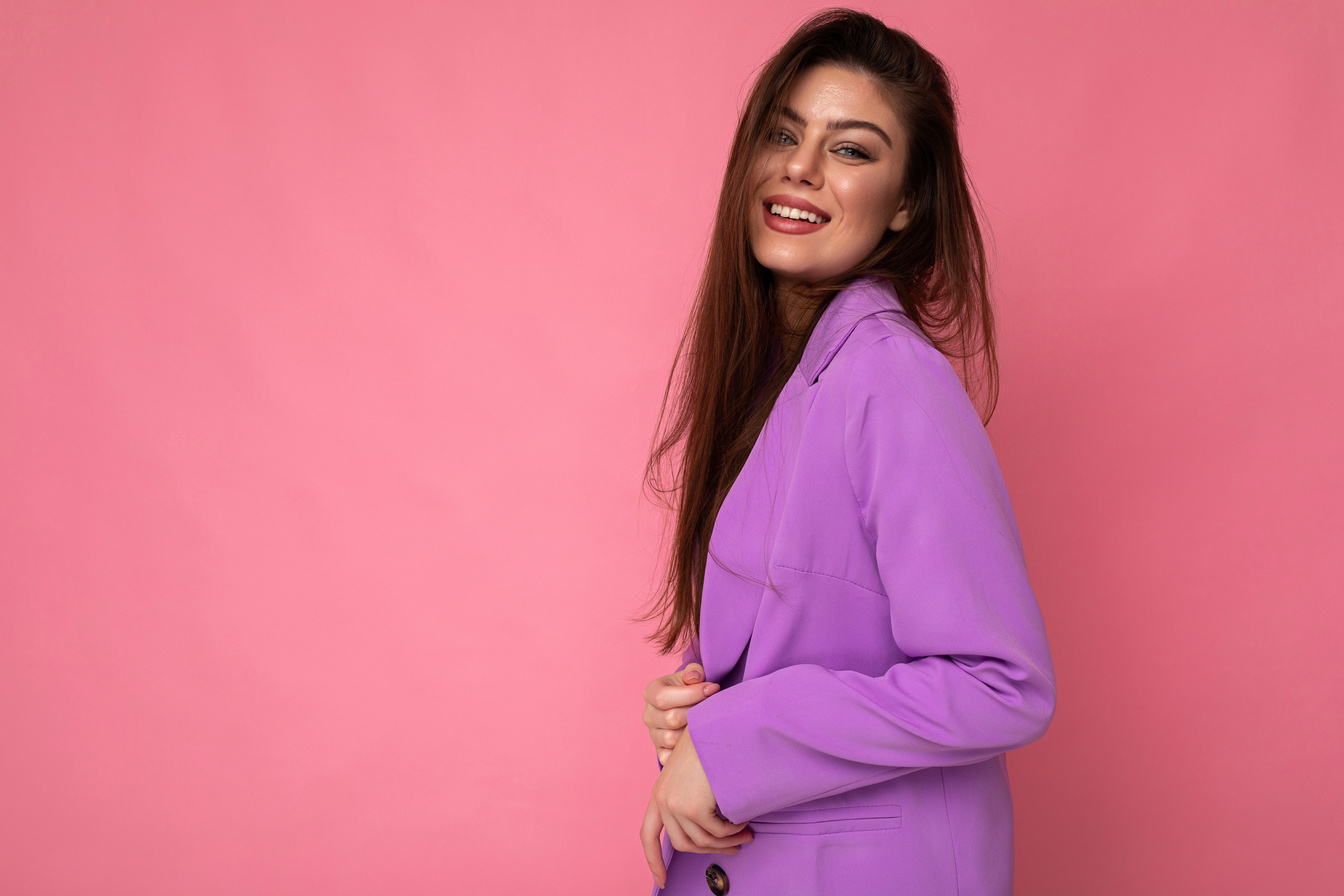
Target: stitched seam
[
  {"x": 961, "y": 480},
  {"x": 849, "y": 474},
  {"x": 813, "y": 828},
  {"x": 813, "y": 572},
  {"x": 951, "y": 838},
  {"x": 895, "y": 375},
  {"x": 857, "y": 784}
]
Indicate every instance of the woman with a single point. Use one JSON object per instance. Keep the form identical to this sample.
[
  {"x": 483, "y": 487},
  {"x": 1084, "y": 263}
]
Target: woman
[{"x": 863, "y": 644}]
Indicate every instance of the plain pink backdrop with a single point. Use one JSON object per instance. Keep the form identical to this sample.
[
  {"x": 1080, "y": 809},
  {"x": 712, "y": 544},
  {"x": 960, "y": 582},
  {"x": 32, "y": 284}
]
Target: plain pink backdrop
[{"x": 331, "y": 341}]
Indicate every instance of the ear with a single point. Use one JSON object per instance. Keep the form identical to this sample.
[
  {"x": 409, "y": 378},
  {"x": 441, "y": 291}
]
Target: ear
[{"x": 901, "y": 219}]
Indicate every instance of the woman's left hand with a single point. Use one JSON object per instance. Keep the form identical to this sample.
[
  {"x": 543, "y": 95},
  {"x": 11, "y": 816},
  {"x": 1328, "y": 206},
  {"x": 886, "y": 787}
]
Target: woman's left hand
[{"x": 683, "y": 803}]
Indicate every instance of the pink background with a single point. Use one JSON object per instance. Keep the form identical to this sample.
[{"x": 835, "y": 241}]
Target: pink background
[{"x": 331, "y": 341}]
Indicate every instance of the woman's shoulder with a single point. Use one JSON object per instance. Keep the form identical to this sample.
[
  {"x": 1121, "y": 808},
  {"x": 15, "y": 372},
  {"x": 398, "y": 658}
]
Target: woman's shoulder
[
  {"x": 905, "y": 408},
  {"x": 889, "y": 351}
]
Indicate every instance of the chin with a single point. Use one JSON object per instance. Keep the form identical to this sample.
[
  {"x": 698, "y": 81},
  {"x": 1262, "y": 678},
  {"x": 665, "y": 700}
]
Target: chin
[
  {"x": 786, "y": 267},
  {"x": 793, "y": 268},
  {"x": 802, "y": 275}
]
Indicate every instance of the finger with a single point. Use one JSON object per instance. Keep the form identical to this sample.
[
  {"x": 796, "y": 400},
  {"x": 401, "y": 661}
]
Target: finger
[
  {"x": 675, "y": 834},
  {"x": 699, "y": 840},
  {"x": 691, "y": 676},
  {"x": 672, "y": 718},
  {"x": 664, "y": 718},
  {"x": 706, "y": 840},
  {"x": 660, "y": 683},
  {"x": 663, "y": 737},
  {"x": 683, "y": 842},
  {"x": 665, "y": 681},
  {"x": 663, "y": 755},
  {"x": 653, "y": 848},
  {"x": 664, "y": 741},
  {"x": 718, "y": 826},
  {"x": 670, "y": 696}
]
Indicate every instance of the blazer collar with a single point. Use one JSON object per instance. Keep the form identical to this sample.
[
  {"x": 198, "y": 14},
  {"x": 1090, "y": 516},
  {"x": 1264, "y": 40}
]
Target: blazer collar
[{"x": 862, "y": 298}]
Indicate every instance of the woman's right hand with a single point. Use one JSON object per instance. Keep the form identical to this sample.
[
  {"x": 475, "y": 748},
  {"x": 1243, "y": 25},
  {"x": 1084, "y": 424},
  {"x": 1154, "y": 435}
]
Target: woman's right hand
[{"x": 666, "y": 700}]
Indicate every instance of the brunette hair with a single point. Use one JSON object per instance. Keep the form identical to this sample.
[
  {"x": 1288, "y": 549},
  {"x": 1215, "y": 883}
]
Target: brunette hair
[{"x": 736, "y": 353}]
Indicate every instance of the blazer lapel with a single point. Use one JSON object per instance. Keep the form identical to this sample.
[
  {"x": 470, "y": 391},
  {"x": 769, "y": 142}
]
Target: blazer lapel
[
  {"x": 739, "y": 549},
  {"x": 744, "y": 530}
]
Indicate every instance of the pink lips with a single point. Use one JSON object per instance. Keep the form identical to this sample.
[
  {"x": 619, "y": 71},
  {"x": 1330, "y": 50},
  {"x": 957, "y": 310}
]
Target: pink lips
[{"x": 789, "y": 225}]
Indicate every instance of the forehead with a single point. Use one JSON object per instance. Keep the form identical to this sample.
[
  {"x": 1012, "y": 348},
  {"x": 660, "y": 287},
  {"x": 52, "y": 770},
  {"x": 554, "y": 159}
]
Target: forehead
[{"x": 824, "y": 92}]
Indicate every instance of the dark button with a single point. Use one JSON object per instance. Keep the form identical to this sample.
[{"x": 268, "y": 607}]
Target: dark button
[{"x": 717, "y": 880}]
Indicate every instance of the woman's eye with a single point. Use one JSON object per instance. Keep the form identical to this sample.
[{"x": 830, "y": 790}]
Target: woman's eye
[
  {"x": 853, "y": 152},
  {"x": 780, "y": 137}
]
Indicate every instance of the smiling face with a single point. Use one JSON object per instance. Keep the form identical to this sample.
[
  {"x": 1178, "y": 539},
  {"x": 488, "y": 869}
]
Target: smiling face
[{"x": 828, "y": 178}]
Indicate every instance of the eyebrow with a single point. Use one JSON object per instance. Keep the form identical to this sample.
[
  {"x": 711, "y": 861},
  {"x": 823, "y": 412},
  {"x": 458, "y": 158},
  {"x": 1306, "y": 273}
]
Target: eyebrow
[{"x": 840, "y": 124}]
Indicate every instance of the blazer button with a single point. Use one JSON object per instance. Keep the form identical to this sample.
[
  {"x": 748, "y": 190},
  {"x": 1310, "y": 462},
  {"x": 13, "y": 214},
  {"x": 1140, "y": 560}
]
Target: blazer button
[{"x": 717, "y": 880}]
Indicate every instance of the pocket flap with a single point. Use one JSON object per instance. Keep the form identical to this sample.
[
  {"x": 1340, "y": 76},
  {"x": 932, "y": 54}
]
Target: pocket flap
[{"x": 829, "y": 818}]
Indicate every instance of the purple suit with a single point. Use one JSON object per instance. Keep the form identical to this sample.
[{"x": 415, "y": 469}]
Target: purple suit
[{"x": 868, "y": 704}]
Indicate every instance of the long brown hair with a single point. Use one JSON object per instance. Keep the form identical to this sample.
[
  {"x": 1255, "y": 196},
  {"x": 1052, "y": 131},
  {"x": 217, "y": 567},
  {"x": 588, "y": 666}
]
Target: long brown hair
[{"x": 736, "y": 352}]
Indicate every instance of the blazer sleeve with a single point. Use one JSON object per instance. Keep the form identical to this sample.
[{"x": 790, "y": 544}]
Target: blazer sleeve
[{"x": 979, "y": 679}]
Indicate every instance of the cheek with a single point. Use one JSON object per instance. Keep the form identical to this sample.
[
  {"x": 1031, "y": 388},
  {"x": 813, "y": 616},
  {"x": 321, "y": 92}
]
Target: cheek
[
  {"x": 866, "y": 200},
  {"x": 865, "y": 207},
  {"x": 762, "y": 171}
]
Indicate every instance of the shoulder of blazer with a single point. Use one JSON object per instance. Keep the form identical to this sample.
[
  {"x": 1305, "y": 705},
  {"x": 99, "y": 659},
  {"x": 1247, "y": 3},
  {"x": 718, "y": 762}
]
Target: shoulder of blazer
[
  {"x": 867, "y": 306},
  {"x": 855, "y": 336}
]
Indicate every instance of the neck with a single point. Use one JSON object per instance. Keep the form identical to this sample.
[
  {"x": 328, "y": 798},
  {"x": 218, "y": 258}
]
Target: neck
[{"x": 792, "y": 306}]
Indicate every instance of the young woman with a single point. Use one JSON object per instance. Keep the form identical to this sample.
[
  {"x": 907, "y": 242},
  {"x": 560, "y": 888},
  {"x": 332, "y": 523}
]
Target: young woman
[{"x": 846, "y": 575}]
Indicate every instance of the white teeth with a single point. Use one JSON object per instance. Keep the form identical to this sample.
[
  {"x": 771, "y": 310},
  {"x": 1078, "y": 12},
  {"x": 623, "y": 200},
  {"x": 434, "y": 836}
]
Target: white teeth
[{"x": 796, "y": 214}]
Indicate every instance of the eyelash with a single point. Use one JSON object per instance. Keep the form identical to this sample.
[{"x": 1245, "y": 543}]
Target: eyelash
[{"x": 860, "y": 153}]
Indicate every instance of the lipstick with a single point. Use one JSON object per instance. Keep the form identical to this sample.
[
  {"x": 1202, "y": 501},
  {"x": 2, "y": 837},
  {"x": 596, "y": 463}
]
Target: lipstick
[{"x": 792, "y": 225}]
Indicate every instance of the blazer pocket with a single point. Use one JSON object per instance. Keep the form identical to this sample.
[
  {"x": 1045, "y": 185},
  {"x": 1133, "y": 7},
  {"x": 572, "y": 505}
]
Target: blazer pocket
[{"x": 829, "y": 820}]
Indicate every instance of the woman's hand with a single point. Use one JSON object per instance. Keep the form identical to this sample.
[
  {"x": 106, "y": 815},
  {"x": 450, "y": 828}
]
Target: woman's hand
[
  {"x": 683, "y": 803},
  {"x": 666, "y": 700}
]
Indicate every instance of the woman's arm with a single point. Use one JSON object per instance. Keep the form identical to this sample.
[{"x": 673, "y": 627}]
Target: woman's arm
[{"x": 980, "y": 680}]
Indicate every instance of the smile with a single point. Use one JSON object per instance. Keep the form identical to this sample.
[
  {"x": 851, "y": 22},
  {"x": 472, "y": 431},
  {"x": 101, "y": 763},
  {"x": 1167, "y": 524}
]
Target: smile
[
  {"x": 797, "y": 214},
  {"x": 782, "y": 214}
]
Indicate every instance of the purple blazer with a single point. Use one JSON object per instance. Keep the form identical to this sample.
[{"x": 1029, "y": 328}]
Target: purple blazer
[{"x": 869, "y": 697}]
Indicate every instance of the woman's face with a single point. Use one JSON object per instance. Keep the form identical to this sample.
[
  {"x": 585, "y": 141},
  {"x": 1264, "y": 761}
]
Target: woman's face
[{"x": 838, "y": 152}]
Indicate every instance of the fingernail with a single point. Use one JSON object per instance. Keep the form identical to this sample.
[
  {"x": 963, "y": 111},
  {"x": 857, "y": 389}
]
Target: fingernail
[{"x": 710, "y": 688}]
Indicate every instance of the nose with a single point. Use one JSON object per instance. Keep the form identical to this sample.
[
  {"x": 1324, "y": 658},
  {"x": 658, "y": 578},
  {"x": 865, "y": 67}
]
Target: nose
[{"x": 803, "y": 166}]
